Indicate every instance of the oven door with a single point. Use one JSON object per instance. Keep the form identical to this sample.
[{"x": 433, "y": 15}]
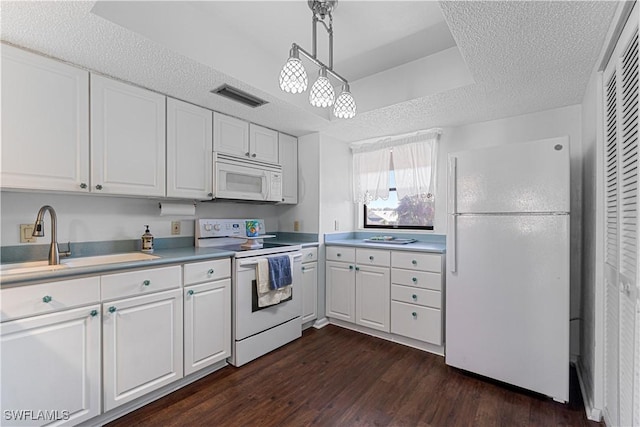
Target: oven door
[{"x": 248, "y": 319}]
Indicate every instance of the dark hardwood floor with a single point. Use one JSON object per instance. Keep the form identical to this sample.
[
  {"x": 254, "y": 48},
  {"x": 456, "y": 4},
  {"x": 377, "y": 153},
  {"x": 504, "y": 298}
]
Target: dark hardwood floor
[{"x": 337, "y": 377}]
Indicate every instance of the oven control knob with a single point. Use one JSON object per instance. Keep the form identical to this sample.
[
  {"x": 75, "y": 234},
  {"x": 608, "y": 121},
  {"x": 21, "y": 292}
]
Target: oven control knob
[
  {"x": 216, "y": 227},
  {"x": 207, "y": 227}
]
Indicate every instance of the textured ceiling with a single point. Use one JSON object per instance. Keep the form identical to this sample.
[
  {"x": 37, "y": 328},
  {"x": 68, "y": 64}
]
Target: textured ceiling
[{"x": 523, "y": 57}]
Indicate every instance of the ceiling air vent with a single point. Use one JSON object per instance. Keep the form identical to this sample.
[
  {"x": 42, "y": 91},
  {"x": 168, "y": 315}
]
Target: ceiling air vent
[{"x": 239, "y": 96}]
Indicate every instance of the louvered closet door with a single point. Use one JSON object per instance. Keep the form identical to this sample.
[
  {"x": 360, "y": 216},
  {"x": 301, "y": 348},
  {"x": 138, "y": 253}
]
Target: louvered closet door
[{"x": 622, "y": 292}]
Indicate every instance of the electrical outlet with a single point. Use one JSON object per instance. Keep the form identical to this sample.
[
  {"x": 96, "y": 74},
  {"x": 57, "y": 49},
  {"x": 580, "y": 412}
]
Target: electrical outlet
[
  {"x": 26, "y": 233},
  {"x": 175, "y": 227}
]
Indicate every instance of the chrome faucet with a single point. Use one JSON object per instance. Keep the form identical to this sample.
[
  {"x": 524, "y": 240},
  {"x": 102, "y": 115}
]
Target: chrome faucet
[{"x": 38, "y": 231}]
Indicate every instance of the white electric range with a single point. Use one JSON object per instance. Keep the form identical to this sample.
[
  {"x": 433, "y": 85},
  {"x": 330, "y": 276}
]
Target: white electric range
[{"x": 255, "y": 330}]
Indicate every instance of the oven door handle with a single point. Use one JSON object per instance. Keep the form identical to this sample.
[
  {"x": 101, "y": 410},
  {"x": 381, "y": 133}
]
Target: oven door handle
[{"x": 248, "y": 263}]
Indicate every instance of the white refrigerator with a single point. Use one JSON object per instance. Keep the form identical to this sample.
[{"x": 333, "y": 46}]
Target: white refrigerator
[{"x": 507, "y": 290}]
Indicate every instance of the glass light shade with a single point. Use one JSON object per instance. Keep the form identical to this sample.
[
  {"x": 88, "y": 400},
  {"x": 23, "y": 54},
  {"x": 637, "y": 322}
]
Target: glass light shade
[
  {"x": 293, "y": 77},
  {"x": 322, "y": 94},
  {"x": 345, "y": 107}
]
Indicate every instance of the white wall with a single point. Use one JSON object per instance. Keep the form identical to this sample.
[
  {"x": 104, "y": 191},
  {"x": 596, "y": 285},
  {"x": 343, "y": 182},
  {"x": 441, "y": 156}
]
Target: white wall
[
  {"x": 306, "y": 212},
  {"x": 336, "y": 176},
  {"x": 528, "y": 127},
  {"x": 90, "y": 218}
]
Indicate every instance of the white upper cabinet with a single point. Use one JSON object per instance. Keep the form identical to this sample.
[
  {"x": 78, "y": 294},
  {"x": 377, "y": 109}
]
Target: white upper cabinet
[
  {"x": 263, "y": 144},
  {"x": 243, "y": 139},
  {"x": 288, "y": 154},
  {"x": 127, "y": 139},
  {"x": 189, "y": 150},
  {"x": 230, "y": 135},
  {"x": 45, "y": 123}
]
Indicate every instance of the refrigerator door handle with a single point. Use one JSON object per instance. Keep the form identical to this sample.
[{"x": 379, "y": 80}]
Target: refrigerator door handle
[
  {"x": 451, "y": 243},
  {"x": 451, "y": 187}
]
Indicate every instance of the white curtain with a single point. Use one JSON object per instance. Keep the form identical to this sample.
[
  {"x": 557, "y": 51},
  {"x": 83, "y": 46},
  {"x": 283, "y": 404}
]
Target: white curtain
[
  {"x": 414, "y": 165},
  {"x": 414, "y": 168},
  {"x": 371, "y": 175}
]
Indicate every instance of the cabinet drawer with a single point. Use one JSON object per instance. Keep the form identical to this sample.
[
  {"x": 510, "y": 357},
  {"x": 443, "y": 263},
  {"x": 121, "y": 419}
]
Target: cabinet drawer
[
  {"x": 422, "y": 279},
  {"x": 423, "y": 297},
  {"x": 309, "y": 254},
  {"x": 413, "y": 321},
  {"x": 341, "y": 253},
  {"x": 198, "y": 272},
  {"x": 140, "y": 282},
  {"x": 28, "y": 300},
  {"x": 373, "y": 257},
  {"x": 417, "y": 261}
]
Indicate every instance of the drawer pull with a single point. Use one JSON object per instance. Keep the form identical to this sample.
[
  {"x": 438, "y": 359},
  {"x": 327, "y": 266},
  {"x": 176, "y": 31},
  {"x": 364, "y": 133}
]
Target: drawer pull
[
  {"x": 357, "y": 268},
  {"x": 371, "y": 257},
  {"x": 302, "y": 268},
  {"x": 414, "y": 279},
  {"x": 191, "y": 292},
  {"x": 46, "y": 298},
  {"x": 351, "y": 267},
  {"x": 146, "y": 282},
  {"x": 414, "y": 314},
  {"x": 83, "y": 185},
  {"x": 414, "y": 262},
  {"x": 309, "y": 255},
  {"x": 99, "y": 187},
  {"x": 338, "y": 254},
  {"x": 415, "y": 297},
  {"x": 210, "y": 272},
  {"x": 112, "y": 309},
  {"x": 93, "y": 313}
]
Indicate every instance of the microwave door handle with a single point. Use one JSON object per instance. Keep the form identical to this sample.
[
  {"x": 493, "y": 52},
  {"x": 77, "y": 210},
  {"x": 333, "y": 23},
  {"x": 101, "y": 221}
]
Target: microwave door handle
[{"x": 265, "y": 188}]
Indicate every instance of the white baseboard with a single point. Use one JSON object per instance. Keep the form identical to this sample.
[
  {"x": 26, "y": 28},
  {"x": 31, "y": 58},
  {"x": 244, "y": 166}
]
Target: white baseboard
[
  {"x": 593, "y": 414},
  {"x": 321, "y": 323}
]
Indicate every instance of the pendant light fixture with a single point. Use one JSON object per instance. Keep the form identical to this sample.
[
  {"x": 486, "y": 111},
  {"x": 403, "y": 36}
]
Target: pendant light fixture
[{"x": 293, "y": 77}]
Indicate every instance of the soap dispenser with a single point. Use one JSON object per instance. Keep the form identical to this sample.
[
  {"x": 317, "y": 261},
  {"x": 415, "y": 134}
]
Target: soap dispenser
[{"x": 147, "y": 241}]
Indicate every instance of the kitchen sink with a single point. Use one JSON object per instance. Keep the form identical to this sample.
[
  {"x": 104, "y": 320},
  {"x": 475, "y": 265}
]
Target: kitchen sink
[
  {"x": 107, "y": 259},
  {"x": 28, "y": 267},
  {"x": 40, "y": 266}
]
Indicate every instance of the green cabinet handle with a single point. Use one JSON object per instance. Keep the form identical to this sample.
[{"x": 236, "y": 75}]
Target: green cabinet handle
[
  {"x": 112, "y": 309},
  {"x": 191, "y": 292},
  {"x": 210, "y": 272},
  {"x": 93, "y": 313},
  {"x": 357, "y": 268},
  {"x": 351, "y": 267},
  {"x": 46, "y": 298},
  {"x": 414, "y": 296},
  {"x": 414, "y": 262},
  {"x": 146, "y": 282},
  {"x": 302, "y": 268},
  {"x": 414, "y": 314},
  {"x": 414, "y": 279}
]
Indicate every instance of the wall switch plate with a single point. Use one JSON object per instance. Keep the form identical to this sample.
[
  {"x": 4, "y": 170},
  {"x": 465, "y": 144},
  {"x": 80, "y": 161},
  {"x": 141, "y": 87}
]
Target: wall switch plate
[
  {"x": 26, "y": 233},
  {"x": 175, "y": 227}
]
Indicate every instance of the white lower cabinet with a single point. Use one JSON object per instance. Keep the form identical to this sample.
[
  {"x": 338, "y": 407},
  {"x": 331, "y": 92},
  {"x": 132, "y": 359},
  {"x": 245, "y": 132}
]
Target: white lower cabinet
[
  {"x": 142, "y": 345},
  {"x": 207, "y": 314},
  {"x": 309, "y": 284},
  {"x": 51, "y": 368},
  {"x": 390, "y": 291}
]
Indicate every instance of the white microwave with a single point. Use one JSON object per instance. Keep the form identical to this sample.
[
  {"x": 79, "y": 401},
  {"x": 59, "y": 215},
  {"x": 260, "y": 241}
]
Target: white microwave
[{"x": 241, "y": 179}]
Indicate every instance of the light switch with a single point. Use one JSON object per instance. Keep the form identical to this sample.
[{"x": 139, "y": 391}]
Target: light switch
[{"x": 26, "y": 233}]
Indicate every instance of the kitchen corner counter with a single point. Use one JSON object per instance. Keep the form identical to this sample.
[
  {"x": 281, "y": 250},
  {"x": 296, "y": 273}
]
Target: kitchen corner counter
[
  {"x": 434, "y": 243},
  {"x": 165, "y": 257}
]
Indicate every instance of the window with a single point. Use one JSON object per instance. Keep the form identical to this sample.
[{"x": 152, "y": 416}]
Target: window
[{"x": 410, "y": 212}]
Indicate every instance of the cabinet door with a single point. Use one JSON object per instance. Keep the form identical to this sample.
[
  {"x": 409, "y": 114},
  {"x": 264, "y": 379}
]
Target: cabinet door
[
  {"x": 207, "y": 324},
  {"x": 341, "y": 291},
  {"x": 189, "y": 150},
  {"x": 373, "y": 297},
  {"x": 127, "y": 139},
  {"x": 230, "y": 135},
  {"x": 309, "y": 291},
  {"x": 263, "y": 144},
  {"x": 51, "y": 363},
  {"x": 288, "y": 156},
  {"x": 142, "y": 345},
  {"x": 45, "y": 123}
]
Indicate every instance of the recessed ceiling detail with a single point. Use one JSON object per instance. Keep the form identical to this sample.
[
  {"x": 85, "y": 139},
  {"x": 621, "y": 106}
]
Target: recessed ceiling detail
[{"x": 433, "y": 64}]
